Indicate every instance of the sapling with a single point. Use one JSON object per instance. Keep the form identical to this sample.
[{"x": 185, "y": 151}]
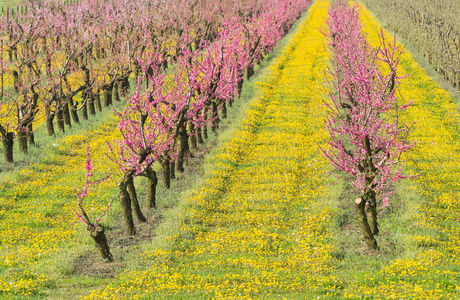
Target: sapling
[{"x": 95, "y": 229}]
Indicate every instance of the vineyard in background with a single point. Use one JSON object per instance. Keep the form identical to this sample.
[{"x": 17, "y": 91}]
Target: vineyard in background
[{"x": 135, "y": 93}]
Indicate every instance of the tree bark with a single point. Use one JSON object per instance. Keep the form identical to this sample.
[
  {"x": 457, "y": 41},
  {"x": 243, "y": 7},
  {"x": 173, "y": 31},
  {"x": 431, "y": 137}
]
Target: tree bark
[
  {"x": 49, "y": 122},
  {"x": 367, "y": 233},
  {"x": 193, "y": 137},
  {"x": 249, "y": 72},
  {"x": 224, "y": 111},
  {"x": 84, "y": 111},
  {"x": 98, "y": 235},
  {"x": 199, "y": 137},
  {"x": 125, "y": 202},
  {"x": 115, "y": 95},
  {"x": 66, "y": 115},
  {"x": 91, "y": 107},
  {"x": 22, "y": 139},
  {"x": 133, "y": 195},
  {"x": 152, "y": 187},
  {"x": 184, "y": 149},
  {"x": 30, "y": 134},
  {"x": 371, "y": 214},
  {"x": 205, "y": 117},
  {"x": 215, "y": 117},
  {"x": 240, "y": 86},
  {"x": 97, "y": 102},
  {"x": 107, "y": 90},
  {"x": 172, "y": 173},
  {"x": 166, "y": 174},
  {"x": 8, "y": 142},
  {"x": 73, "y": 111},
  {"x": 60, "y": 119}
]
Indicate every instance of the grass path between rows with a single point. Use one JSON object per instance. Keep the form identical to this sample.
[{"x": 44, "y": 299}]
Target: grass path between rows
[{"x": 259, "y": 227}]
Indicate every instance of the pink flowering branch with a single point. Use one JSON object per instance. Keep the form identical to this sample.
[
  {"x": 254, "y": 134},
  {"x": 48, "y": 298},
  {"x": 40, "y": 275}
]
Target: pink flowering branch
[{"x": 81, "y": 195}]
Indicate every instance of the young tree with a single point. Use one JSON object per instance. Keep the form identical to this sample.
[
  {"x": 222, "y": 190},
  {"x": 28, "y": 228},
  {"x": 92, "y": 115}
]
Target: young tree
[
  {"x": 95, "y": 229},
  {"x": 367, "y": 136}
]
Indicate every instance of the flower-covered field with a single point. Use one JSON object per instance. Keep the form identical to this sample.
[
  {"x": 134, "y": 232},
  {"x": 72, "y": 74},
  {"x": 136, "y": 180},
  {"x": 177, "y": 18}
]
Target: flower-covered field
[
  {"x": 264, "y": 224},
  {"x": 258, "y": 228}
]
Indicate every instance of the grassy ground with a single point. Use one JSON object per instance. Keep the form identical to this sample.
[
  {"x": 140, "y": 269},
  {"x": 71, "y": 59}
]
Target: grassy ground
[{"x": 267, "y": 220}]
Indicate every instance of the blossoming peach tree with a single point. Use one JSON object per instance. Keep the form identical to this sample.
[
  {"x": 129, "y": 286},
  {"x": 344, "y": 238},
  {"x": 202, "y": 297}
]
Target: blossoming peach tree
[
  {"x": 95, "y": 229},
  {"x": 367, "y": 136}
]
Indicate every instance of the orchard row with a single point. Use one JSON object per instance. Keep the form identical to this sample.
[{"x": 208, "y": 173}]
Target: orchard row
[{"x": 57, "y": 59}]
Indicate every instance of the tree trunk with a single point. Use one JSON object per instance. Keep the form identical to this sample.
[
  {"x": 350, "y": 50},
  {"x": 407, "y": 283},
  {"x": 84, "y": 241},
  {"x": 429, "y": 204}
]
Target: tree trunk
[
  {"x": 205, "y": 117},
  {"x": 125, "y": 202},
  {"x": 98, "y": 235},
  {"x": 133, "y": 195},
  {"x": 84, "y": 111},
  {"x": 115, "y": 95},
  {"x": 66, "y": 115},
  {"x": 73, "y": 111},
  {"x": 97, "y": 102},
  {"x": 125, "y": 86},
  {"x": 184, "y": 149},
  {"x": 152, "y": 187},
  {"x": 108, "y": 94},
  {"x": 193, "y": 137},
  {"x": 49, "y": 122},
  {"x": 215, "y": 117},
  {"x": 166, "y": 174},
  {"x": 368, "y": 236},
  {"x": 91, "y": 107},
  {"x": 371, "y": 214},
  {"x": 224, "y": 111},
  {"x": 60, "y": 119},
  {"x": 199, "y": 136},
  {"x": 30, "y": 134},
  {"x": 240, "y": 86},
  {"x": 249, "y": 72},
  {"x": 172, "y": 173},
  {"x": 22, "y": 139},
  {"x": 8, "y": 142}
]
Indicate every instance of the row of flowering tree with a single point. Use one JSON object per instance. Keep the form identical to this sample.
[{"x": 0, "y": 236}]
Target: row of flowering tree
[
  {"x": 59, "y": 59},
  {"x": 366, "y": 131},
  {"x": 181, "y": 93}
]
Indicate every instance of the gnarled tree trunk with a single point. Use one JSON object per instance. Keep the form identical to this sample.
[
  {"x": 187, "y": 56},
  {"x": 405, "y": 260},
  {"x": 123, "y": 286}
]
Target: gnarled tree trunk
[
  {"x": 152, "y": 187},
  {"x": 22, "y": 139},
  {"x": 91, "y": 107},
  {"x": 184, "y": 150},
  {"x": 172, "y": 173},
  {"x": 193, "y": 137},
  {"x": 107, "y": 90},
  {"x": 133, "y": 195},
  {"x": 73, "y": 111},
  {"x": 166, "y": 174},
  {"x": 366, "y": 229},
  {"x": 199, "y": 137},
  {"x": 30, "y": 134},
  {"x": 66, "y": 115},
  {"x": 125, "y": 201},
  {"x": 49, "y": 122},
  {"x": 98, "y": 235},
  {"x": 8, "y": 142},
  {"x": 97, "y": 101},
  {"x": 215, "y": 117}
]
